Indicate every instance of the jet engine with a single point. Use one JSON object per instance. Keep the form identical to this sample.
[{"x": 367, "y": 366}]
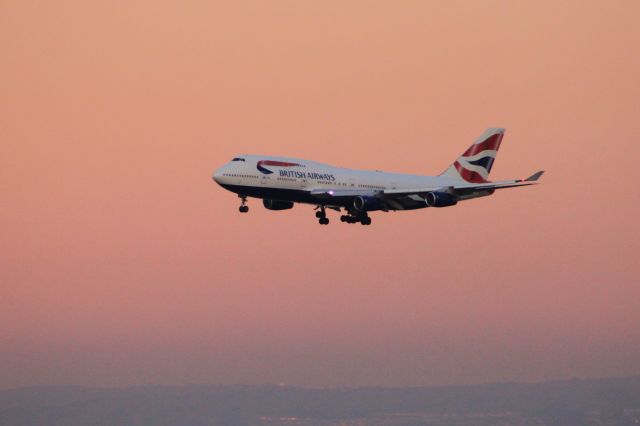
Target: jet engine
[
  {"x": 440, "y": 199},
  {"x": 277, "y": 204},
  {"x": 367, "y": 204}
]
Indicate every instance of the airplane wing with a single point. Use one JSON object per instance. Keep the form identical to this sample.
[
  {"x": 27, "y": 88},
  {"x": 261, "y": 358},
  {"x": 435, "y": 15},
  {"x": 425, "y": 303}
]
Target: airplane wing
[
  {"x": 465, "y": 190},
  {"x": 466, "y": 187},
  {"x": 403, "y": 199},
  {"x": 334, "y": 193}
]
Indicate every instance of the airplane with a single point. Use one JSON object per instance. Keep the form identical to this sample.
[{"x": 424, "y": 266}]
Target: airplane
[{"x": 280, "y": 182}]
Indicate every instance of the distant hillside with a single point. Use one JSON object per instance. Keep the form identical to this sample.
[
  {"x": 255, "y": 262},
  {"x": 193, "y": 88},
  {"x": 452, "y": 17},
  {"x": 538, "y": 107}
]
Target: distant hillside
[{"x": 613, "y": 401}]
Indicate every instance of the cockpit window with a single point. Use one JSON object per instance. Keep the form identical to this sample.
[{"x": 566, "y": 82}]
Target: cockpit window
[{"x": 238, "y": 159}]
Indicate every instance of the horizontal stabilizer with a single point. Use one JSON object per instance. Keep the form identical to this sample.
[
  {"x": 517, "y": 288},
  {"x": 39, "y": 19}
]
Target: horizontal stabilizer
[{"x": 534, "y": 177}]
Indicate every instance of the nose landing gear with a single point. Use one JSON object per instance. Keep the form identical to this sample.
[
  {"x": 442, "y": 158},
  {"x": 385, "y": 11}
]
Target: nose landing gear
[{"x": 243, "y": 207}]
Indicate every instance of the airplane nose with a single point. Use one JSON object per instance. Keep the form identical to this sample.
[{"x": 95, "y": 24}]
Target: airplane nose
[{"x": 217, "y": 176}]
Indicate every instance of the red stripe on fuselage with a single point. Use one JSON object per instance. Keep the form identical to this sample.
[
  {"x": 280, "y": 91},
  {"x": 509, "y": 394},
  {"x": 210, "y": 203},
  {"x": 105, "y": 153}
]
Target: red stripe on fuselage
[
  {"x": 276, "y": 163},
  {"x": 492, "y": 143}
]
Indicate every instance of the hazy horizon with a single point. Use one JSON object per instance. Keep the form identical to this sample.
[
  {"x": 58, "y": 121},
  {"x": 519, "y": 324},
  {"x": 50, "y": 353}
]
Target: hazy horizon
[
  {"x": 283, "y": 385},
  {"x": 593, "y": 402},
  {"x": 122, "y": 263}
]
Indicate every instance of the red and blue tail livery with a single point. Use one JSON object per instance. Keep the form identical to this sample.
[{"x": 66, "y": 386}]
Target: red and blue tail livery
[
  {"x": 475, "y": 164},
  {"x": 282, "y": 182}
]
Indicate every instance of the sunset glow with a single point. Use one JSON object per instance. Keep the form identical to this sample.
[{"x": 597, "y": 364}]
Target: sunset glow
[{"x": 123, "y": 263}]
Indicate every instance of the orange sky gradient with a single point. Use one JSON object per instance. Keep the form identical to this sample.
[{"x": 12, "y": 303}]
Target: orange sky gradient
[{"x": 122, "y": 263}]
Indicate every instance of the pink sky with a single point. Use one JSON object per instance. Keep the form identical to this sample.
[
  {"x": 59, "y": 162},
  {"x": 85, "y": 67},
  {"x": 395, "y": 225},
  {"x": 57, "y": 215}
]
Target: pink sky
[{"x": 122, "y": 263}]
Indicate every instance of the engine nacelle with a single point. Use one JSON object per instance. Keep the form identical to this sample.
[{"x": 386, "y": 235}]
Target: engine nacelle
[
  {"x": 440, "y": 199},
  {"x": 367, "y": 204},
  {"x": 277, "y": 204}
]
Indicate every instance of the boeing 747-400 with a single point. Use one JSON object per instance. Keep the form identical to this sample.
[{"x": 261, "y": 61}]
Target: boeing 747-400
[{"x": 280, "y": 182}]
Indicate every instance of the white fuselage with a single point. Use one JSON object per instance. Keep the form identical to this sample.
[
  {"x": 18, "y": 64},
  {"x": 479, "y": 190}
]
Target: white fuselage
[{"x": 243, "y": 175}]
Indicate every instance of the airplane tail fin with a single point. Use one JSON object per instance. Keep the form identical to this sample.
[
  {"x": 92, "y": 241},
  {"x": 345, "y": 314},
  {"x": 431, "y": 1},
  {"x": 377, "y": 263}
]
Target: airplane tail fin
[{"x": 474, "y": 165}]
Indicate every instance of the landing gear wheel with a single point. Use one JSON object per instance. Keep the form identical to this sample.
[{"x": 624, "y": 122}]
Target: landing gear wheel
[
  {"x": 321, "y": 213},
  {"x": 365, "y": 220},
  {"x": 344, "y": 218},
  {"x": 243, "y": 208},
  {"x": 324, "y": 221}
]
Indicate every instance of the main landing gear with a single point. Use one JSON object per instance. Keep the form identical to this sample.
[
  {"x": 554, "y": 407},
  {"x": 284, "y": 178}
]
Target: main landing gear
[
  {"x": 322, "y": 216},
  {"x": 243, "y": 207},
  {"x": 350, "y": 218}
]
